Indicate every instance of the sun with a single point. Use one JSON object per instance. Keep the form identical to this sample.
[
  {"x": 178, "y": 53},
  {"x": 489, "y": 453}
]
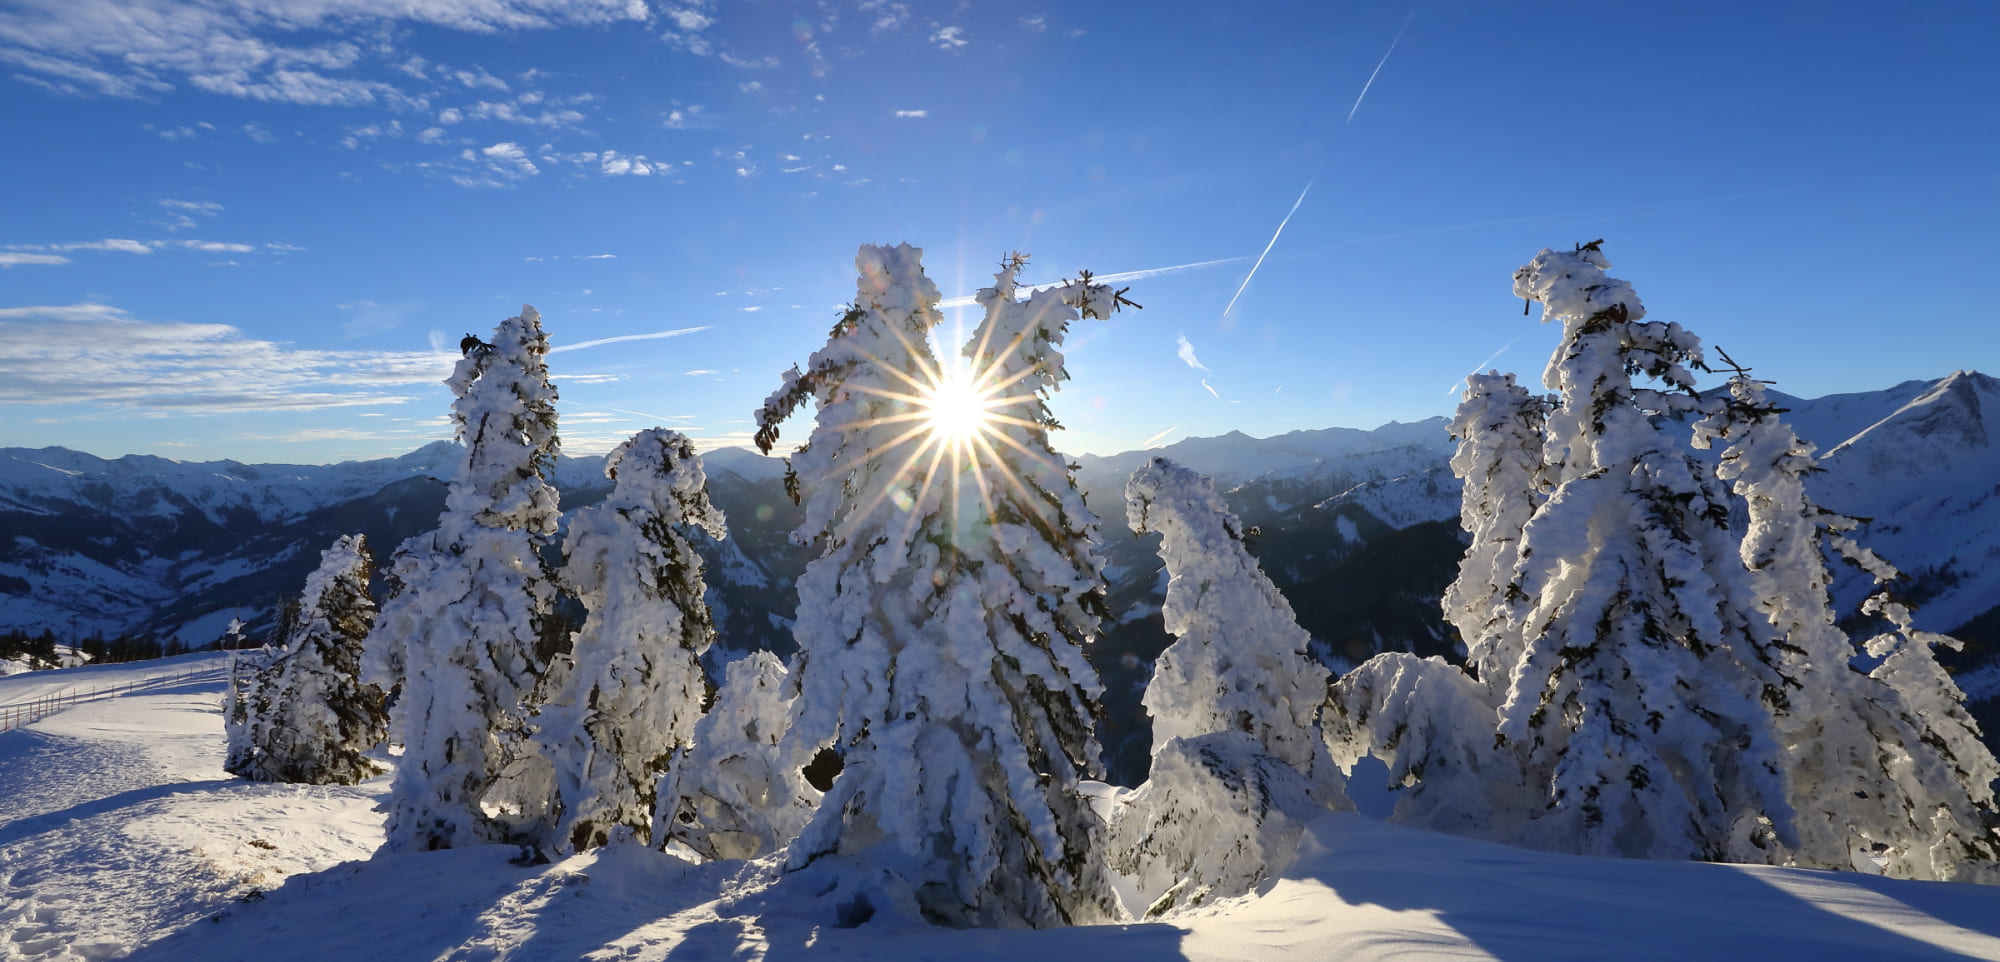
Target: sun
[{"x": 955, "y": 410}]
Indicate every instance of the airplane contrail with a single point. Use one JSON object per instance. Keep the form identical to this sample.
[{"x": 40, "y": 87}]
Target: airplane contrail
[
  {"x": 580, "y": 345},
  {"x": 1476, "y": 367},
  {"x": 1385, "y": 60},
  {"x": 1157, "y": 438},
  {"x": 1267, "y": 249},
  {"x": 969, "y": 299}
]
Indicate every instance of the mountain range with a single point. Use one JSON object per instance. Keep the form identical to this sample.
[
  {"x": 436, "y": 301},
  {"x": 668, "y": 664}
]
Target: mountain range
[{"x": 1357, "y": 527}]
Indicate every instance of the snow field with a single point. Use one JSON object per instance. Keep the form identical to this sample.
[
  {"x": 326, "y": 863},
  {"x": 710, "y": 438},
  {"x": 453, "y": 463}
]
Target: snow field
[{"x": 119, "y": 834}]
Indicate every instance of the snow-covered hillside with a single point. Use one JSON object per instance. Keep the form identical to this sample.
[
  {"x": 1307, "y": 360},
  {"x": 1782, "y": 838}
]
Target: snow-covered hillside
[{"x": 121, "y": 834}]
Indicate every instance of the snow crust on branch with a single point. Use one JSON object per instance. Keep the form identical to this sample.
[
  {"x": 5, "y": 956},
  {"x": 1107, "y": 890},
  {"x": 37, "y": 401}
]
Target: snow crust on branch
[{"x": 632, "y": 684}]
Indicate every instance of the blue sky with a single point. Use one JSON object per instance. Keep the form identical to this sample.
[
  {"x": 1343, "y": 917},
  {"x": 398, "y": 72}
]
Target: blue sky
[{"x": 256, "y": 230}]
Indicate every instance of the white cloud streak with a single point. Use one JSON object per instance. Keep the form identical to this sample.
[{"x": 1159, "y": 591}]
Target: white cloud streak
[
  {"x": 96, "y": 354},
  {"x": 16, "y": 260}
]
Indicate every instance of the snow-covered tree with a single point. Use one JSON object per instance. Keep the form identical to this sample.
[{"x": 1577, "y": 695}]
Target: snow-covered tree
[
  {"x": 1499, "y": 464},
  {"x": 475, "y": 610},
  {"x": 1428, "y": 720},
  {"x": 940, "y": 630},
  {"x": 315, "y": 718},
  {"x": 1885, "y": 764},
  {"x": 1642, "y": 702},
  {"x": 244, "y": 701},
  {"x": 731, "y": 794},
  {"x": 633, "y": 684},
  {"x": 1238, "y": 762}
]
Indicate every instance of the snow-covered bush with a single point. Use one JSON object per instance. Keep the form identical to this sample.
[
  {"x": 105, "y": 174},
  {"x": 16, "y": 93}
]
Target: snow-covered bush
[
  {"x": 311, "y": 717},
  {"x": 1217, "y": 816},
  {"x": 1238, "y": 762},
  {"x": 940, "y": 627},
  {"x": 475, "y": 609},
  {"x": 1642, "y": 702},
  {"x": 1432, "y": 725},
  {"x": 1886, "y": 764},
  {"x": 731, "y": 795},
  {"x": 632, "y": 685}
]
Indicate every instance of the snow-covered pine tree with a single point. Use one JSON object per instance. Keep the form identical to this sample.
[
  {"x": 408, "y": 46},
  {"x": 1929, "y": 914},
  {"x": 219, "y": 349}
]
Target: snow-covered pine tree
[
  {"x": 241, "y": 701},
  {"x": 385, "y": 650},
  {"x": 318, "y": 717},
  {"x": 732, "y": 793},
  {"x": 1428, "y": 720},
  {"x": 1886, "y": 764},
  {"x": 476, "y": 609},
  {"x": 941, "y": 628},
  {"x": 1498, "y": 427},
  {"x": 1642, "y": 702},
  {"x": 634, "y": 684},
  {"x": 1238, "y": 763}
]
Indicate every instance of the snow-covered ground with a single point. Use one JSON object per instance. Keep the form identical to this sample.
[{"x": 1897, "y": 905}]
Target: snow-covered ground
[{"x": 119, "y": 833}]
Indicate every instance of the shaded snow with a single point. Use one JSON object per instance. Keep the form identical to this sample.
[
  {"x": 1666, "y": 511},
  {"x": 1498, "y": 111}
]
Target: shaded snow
[{"x": 121, "y": 833}]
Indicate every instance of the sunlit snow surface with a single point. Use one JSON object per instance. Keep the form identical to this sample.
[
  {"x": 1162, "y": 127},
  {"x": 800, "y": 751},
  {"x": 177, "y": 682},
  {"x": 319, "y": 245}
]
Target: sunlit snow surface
[{"x": 119, "y": 833}]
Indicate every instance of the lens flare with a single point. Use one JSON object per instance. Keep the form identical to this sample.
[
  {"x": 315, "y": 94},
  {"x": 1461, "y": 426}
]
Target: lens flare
[{"x": 955, "y": 410}]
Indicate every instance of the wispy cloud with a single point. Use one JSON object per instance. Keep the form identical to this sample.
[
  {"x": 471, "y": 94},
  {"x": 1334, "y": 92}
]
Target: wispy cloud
[
  {"x": 905, "y": 114},
  {"x": 11, "y": 259},
  {"x": 1185, "y": 351},
  {"x": 97, "y": 354},
  {"x": 625, "y": 337},
  {"x": 140, "y": 48},
  {"x": 948, "y": 38}
]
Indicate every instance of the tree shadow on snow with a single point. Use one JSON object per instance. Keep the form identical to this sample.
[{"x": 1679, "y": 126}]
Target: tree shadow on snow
[
  {"x": 475, "y": 902},
  {"x": 777, "y": 940},
  {"x": 1524, "y": 905},
  {"x": 50, "y": 821}
]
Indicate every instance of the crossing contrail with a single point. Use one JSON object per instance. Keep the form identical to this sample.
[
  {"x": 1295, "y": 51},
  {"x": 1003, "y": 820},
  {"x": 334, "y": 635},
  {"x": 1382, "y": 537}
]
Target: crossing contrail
[
  {"x": 1267, "y": 249},
  {"x": 580, "y": 345},
  {"x": 1385, "y": 60},
  {"x": 968, "y": 299}
]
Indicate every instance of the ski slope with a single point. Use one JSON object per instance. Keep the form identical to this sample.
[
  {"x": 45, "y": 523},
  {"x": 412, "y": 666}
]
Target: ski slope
[{"x": 120, "y": 835}]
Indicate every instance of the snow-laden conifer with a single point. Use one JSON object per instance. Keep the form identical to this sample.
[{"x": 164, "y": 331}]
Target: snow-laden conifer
[
  {"x": 475, "y": 608},
  {"x": 1886, "y": 764},
  {"x": 1238, "y": 762},
  {"x": 384, "y": 651},
  {"x": 941, "y": 627},
  {"x": 1498, "y": 427},
  {"x": 1428, "y": 720},
  {"x": 633, "y": 684},
  {"x": 317, "y": 717},
  {"x": 1642, "y": 702},
  {"x": 732, "y": 793}
]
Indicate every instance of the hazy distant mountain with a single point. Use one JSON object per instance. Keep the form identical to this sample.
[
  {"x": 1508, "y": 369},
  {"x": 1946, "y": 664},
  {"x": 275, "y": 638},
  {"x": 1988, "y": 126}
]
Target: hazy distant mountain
[{"x": 1358, "y": 527}]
